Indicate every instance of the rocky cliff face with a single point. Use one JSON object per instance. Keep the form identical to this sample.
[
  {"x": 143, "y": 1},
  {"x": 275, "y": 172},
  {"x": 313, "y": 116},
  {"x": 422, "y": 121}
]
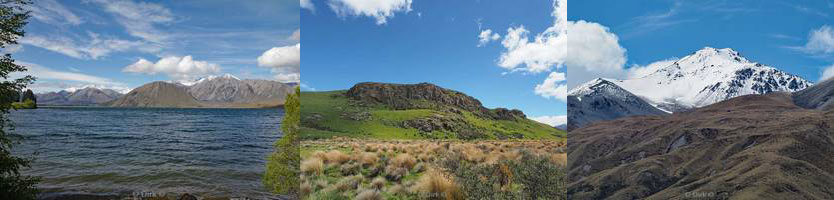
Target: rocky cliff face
[{"x": 425, "y": 96}]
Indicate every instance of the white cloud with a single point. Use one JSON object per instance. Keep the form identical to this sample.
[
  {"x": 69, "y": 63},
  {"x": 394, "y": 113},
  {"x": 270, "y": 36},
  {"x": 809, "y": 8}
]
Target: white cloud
[
  {"x": 827, "y": 73},
  {"x": 284, "y": 61},
  {"x": 594, "y": 52},
  {"x": 53, "y": 80},
  {"x": 296, "y": 35},
  {"x": 288, "y": 78},
  {"x": 95, "y": 47},
  {"x": 140, "y": 19},
  {"x": 308, "y": 4},
  {"x": 381, "y": 10},
  {"x": 553, "y": 87},
  {"x": 546, "y": 51},
  {"x": 820, "y": 41},
  {"x": 52, "y": 12},
  {"x": 637, "y": 71},
  {"x": 177, "y": 68},
  {"x": 552, "y": 120},
  {"x": 486, "y": 36}
]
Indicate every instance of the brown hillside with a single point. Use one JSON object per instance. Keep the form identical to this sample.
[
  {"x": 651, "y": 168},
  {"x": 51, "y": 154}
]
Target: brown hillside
[{"x": 749, "y": 147}]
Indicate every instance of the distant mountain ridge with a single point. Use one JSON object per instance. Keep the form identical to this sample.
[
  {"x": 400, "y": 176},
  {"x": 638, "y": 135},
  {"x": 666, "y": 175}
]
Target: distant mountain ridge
[
  {"x": 703, "y": 78},
  {"x": 224, "y": 91},
  {"x": 85, "y": 96}
]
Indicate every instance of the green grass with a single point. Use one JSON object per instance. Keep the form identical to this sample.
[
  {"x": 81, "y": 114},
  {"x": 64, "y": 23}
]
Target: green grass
[
  {"x": 28, "y": 104},
  {"x": 323, "y": 116}
]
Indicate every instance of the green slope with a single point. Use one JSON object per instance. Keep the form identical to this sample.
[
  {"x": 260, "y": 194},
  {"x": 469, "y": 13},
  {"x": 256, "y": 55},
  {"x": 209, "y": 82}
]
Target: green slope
[{"x": 327, "y": 114}]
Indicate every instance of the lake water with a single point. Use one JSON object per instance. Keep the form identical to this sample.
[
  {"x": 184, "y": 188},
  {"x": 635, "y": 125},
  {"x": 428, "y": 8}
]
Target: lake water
[{"x": 120, "y": 151}]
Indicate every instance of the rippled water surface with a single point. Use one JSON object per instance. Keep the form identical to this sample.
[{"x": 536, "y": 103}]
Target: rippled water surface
[{"x": 118, "y": 151}]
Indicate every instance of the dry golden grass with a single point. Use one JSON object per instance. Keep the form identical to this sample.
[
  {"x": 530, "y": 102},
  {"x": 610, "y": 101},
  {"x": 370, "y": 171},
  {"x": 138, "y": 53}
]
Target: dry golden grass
[
  {"x": 336, "y": 157},
  {"x": 560, "y": 158},
  {"x": 404, "y": 160},
  {"x": 367, "y": 158},
  {"x": 313, "y": 165},
  {"x": 409, "y": 169},
  {"x": 435, "y": 184}
]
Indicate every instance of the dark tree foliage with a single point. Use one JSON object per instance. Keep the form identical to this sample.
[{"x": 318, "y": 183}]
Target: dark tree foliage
[
  {"x": 281, "y": 174},
  {"x": 13, "y": 185},
  {"x": 29, "y": 95}
]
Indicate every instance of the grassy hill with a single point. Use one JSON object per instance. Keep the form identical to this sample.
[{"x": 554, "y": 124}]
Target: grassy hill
[{"x": 395, "y": 111}]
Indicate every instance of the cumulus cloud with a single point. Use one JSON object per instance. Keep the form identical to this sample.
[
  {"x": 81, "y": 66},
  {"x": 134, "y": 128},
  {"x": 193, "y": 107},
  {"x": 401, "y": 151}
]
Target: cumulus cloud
[
  {"x": 284, "y": 62},
  {"x": 52, "y": 12},
  {"x": 638, "y": 71},
  {"x": 140, "y": 19},
  {"x": 827, "y": 73},
  {"x": 547, "y": 50},
  {"x": 380, "y": 10},
  {"x": 552, "y": 120},
  {"x": 308, "y": 4},
  {"x": 553, "y": 87},
  {"x": 96, "y": 46},
  {"x": 178, "y": 68},
  {"x": 820, "y": 41},
  {"x": 486, "y": 36},
  {"x": 595, "y": 52}
]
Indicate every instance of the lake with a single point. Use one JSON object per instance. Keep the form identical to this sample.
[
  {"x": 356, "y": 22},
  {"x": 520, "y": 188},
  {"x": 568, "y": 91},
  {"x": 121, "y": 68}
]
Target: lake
[{"x": 122, "y": 151}]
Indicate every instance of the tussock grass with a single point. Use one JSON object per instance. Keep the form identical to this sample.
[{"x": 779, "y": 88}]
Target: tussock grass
[
  {"x": 431, "y": 169},
  {"x": 312, "y": 166}
]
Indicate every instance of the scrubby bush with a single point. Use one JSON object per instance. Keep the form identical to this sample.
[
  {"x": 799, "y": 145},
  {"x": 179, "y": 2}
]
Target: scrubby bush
[
  {"x": 540, "y": 177},
  {"x": 282, "y": 168}
]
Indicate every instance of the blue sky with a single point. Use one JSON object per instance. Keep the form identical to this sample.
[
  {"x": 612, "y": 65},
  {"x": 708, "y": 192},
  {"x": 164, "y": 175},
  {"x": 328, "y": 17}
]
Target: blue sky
[
  {"x": 348, "y": 42},
  {"x": 795, "y": 36},
  {"x": 123, "y": 44}
]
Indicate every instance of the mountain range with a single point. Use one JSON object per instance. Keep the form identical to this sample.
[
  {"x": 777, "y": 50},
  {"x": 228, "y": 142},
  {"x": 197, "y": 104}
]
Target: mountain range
[
  {"x": 703, "y": 78},
  {"x": 759, "y": 146},
  {"x": 224, "y": 91},
  {"x": 85, "y": 96}
]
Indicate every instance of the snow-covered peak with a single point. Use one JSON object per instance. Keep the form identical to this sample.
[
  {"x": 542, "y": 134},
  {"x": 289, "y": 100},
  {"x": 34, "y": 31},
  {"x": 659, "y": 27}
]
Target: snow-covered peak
[
  {"x": 708, "y": 76},
  {"x": 207, "y": 78},
  {"x": 589, "y": 87},
  {"x": 224, "y": 76},
  {"x": 121, "y": 90}
]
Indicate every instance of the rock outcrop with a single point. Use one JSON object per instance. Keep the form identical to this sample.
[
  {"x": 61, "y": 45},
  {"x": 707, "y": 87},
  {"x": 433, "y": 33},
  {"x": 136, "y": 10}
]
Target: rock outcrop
[{"x": 425, "y": 96}]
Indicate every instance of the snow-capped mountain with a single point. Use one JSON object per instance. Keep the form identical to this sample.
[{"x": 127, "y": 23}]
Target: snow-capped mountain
[
  {"x": 708, "y": 76},
  {"x": 200, "y": 80},
  {"x": 600, "y": 100}
]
